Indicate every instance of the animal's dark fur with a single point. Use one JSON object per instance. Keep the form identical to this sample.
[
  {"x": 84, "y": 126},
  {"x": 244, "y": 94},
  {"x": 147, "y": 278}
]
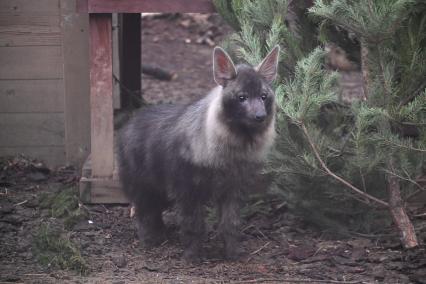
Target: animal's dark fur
[{"x": 206, "y": 151}]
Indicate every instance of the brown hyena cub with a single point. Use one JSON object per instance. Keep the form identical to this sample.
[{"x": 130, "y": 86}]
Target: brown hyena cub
[{"x": 208, "y": 151}]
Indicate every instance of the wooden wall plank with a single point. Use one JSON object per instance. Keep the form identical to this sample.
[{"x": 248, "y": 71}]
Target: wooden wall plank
[
  {"x": 102, "y": 129},
  {"x": 31, "y": 96},
  {"x": 13, "y": 19},
  {"x": 132, "y": 6},
  {"x": 75, "y": 30},
  {"x": 35, "y": 62},
  {"x": 53, "y": 156},
  {"x": 29, "y": 36},
  {"x": 30, "y": 6},
  {"x": 31, "y": 129}
]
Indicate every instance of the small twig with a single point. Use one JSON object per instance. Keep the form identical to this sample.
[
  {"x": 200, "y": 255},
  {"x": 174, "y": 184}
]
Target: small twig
[
  {"x": 292, "y": 280},
  {"x": 364, "y": 187},
  {"x": 318, "y": 250},
  {"x": 261, "y": 248},
  {"x": 246, "y": 228},
  {"x": 20, "y": 203},
  {"x": 132, "y": 211},
  {"x": 406, "y": 147},
  {"x": 373, "y": 236},
  {"x": 106, "y": 209},
  {"x": 418, "y": 191},
  {"x": 260, "y": 232},
  {"x": 421, "y": 188},
  {"x": 412, "y": 96},
  {"x": 341, "y": 180}
]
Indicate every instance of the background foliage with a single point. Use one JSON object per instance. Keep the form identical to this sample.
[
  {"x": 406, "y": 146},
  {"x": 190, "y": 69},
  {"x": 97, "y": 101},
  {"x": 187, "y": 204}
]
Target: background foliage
[{"x": 362, "y": 143}]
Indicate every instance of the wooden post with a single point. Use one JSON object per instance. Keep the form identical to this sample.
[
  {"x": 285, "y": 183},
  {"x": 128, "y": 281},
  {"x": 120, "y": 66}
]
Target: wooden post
[
  {"x": 75, "y": 43},
  {"x": 102, "y": 128},
  {"x": 116, "y": 40}
]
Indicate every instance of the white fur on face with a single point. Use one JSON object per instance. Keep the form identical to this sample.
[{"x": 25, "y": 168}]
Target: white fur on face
[{"x": 217, "y": 145}]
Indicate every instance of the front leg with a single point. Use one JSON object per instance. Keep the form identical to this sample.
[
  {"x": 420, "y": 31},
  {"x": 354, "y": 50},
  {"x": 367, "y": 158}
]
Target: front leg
[
  {"x": 192, "y": 228},
  {"x": 229, "y": 223}
]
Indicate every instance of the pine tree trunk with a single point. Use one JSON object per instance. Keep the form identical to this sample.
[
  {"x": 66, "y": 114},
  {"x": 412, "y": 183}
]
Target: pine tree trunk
[{"x": 397, "y": 210}]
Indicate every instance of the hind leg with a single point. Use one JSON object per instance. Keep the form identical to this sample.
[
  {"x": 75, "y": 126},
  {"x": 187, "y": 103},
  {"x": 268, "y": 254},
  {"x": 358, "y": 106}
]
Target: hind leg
[{"x": 150, "y": 225}]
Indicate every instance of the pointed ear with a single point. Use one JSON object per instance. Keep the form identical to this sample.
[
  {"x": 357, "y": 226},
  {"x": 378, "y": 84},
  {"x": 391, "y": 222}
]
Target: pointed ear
[
  {"x": 223, "y": 67},
  {"x": 268, "y": 68}
]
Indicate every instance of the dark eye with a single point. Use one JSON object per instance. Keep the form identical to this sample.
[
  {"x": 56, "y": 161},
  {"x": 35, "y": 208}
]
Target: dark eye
[
  {"x": 242, "y": 98},
  {"x": 263, "y": 97}
]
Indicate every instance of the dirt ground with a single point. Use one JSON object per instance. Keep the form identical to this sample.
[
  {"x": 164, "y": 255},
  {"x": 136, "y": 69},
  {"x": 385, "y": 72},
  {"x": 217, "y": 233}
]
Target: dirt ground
[{"x": 280, "y": 247}]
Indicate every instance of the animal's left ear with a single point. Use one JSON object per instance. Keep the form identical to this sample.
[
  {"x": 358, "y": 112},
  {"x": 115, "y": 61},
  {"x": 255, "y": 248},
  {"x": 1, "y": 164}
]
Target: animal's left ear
[
  {"x": 268, "y": 68},
  {"x": 223, "y": 67}
]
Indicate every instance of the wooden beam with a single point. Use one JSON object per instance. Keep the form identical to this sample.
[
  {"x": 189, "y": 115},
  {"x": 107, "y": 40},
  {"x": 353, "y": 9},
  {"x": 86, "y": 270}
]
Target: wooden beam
[
  {"x": 82, "y": 6},
  {"x": 139, "y": 6},
  {"x": 100, "y": 190},
  {"x": 97, "y": 190},
  {"x": 102, "y": 129},
  {"x": 75, "y": 44}
]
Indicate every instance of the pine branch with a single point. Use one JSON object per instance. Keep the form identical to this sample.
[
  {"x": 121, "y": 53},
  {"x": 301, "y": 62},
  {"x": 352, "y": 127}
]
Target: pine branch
[
  {"x": 341, "y": 180},
  {"x": 410, "y": 180},
  {"x": 413, "y": 96}
]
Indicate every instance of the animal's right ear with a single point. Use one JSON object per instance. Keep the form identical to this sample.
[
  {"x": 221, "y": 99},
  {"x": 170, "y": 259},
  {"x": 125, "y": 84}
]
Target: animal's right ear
[{"x": 223, "y": 67}]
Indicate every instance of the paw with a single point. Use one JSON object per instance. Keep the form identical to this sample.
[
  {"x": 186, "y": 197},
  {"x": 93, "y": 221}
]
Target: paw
[
  {"x": 234, "y": 254},
  {"x": 192, "y": 255},
  {"x": 151, "y": 238},
  {"x": 153, "y": 241}
]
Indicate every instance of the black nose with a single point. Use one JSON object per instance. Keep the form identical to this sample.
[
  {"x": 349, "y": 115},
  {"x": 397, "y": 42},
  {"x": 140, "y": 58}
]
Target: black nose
[{"x": 260, "y": 117}]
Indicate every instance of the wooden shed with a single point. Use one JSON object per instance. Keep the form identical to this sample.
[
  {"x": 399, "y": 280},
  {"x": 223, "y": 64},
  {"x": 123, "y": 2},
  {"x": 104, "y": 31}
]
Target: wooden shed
[
  {"x": 57, "y": 93},
  {"x": 44, "y": 81}
]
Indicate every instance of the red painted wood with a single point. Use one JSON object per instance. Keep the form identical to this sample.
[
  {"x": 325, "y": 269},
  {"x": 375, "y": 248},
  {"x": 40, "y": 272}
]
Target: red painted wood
[
  {"x": 82, "y": 6},
  {"x": 101, "y": 95},
  {"x": 139, "y": 6}
]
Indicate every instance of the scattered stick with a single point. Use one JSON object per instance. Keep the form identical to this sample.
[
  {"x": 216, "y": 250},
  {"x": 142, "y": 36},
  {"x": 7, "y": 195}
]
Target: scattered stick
[
  {"x": 292, "y": 280},
  {"x": 20, "y": 203},
  {"x": 261, "y": 248},
  {"x": 158, "y": 72},
  {"x": 132, "y": 211}
]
